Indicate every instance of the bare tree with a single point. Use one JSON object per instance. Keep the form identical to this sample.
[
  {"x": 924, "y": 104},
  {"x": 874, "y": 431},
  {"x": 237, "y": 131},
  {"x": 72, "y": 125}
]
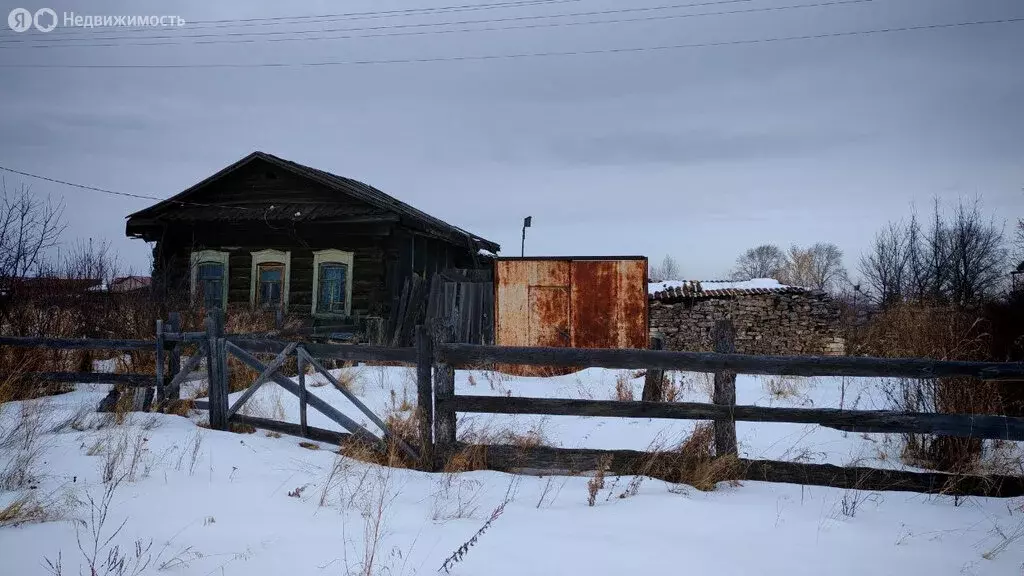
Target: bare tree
[
  {"x": 819, "y": 266},
  {"x": 29, "y": 227},
  {"x": 667, "y": 270},
  {"x": 959, "y": 259},
  {"x": 886, "y": 268},
  {"x": 88, "y": 260},
  {"x": 977, "y": 257},
  {"x": 764, "y": 261}
]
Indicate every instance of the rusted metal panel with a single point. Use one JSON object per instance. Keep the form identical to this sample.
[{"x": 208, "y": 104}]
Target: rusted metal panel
[
  {"x": 609, "y": 304},
  {"x": 549, "y": 316},
  {"x": 581, "y": 302}
]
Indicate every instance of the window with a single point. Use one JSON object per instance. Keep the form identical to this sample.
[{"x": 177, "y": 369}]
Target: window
[
  {"x": 332, "y": 282},
  {"x": 271, "y": 279},
  {"x": 209, "y": 278},
  {"x": 271, "y": 270},
  {"x": 331, "y": 292}
]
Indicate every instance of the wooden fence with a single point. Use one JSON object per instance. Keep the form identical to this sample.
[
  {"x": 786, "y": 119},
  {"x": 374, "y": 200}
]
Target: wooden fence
[
  {"x": 436, "y": 359},
  {"x": 723, "y": 411}
]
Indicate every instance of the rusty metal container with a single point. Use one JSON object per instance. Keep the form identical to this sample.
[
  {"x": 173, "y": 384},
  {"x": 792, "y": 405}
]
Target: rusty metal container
[{"x": 570, "y": 301}]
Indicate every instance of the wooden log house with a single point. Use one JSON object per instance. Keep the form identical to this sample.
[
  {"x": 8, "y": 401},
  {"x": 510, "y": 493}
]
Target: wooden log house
[{"x": 270, "y": 233}]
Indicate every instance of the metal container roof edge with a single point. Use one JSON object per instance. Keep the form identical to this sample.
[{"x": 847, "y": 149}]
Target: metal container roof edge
[{"x": 541, "y": 258}]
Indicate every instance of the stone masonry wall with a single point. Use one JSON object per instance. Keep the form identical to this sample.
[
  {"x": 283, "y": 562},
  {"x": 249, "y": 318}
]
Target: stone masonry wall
[{"x": 772, "y": 324}]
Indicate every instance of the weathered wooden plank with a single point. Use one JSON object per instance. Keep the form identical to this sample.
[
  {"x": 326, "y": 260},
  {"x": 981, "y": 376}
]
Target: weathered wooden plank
[
  {"x": 174, "y": 356},
  {"x": 626, "y": 462},
  {"x": 312, "y": 399},
  {"x": 311, "y": 432},
  {"x": 425, "y": 395},
  {"x": 217, "y": 381},
  {"x": 160, "y": 360},
  {"x": 473, "y": 355},
  {"x": 362, "y": 408},
  {"x": 963, "y": 425},
  {"x": 654, "y": 379},
  {"x": 264, "y": 376},
  {"x": 444, "y": 393},
  {"x": 353, "y": 352},
  {"x": 186, "y": 371},
  {"x": 77, "y": 343},
  {"x": 724, "y": 336},
  {"x": 132, "y": 380},
  {"x": 185, "y": 336},
  {"x": 301, "y": 361}
]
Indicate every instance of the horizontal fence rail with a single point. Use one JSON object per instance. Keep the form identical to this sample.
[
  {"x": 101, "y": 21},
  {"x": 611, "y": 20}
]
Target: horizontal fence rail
[
  {"x": 351, "y": 352},
  {"x": 881, "y": 421},
  {"x": 77, "y": 343},
  {"x": 471, "y": 355},
  {"x": 135, "y": 380},
  {"x": 511, "y": 458}
]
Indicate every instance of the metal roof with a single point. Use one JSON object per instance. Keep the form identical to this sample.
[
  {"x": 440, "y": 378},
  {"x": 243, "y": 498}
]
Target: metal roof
[{"x": 353, "y": 188}]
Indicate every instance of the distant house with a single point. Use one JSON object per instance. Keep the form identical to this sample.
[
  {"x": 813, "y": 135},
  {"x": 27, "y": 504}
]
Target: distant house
[
  {"x": 1017, "y": 278},
  {"x": 273, "y": 234}
]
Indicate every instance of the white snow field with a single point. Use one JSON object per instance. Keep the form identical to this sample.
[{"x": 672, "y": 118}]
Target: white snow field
[{"x": 192, "y": 501}]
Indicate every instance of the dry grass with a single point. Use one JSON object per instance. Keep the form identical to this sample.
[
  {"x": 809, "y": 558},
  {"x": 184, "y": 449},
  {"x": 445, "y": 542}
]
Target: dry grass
[
  {"x": 785, "y": 387},
  {"x": 942, "y": 332},
  {"x": 624, "y": 388},
  {"x": 596, "y": 483},
  {"x": 22, "y": 510}
]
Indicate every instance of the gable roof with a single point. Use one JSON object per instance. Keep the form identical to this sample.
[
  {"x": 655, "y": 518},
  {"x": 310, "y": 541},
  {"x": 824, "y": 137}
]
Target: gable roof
[{"x": 341, "y": 184}]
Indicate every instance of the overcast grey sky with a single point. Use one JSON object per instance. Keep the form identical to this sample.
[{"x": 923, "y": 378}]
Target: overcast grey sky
[{"x": 698, "y": 152}]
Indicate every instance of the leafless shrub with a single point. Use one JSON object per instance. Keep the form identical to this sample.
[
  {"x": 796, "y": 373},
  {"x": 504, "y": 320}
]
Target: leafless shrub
[
  {"x": 623, "y": 388},
  {"x": 596, "y": 483},
  {"x": 103, "y": 557},
  {"x": 462, "y": 550},
  {"x": 374, "y": 506}
]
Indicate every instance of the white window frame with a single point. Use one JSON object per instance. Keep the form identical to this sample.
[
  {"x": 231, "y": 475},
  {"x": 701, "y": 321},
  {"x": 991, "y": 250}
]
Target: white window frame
[
  {"x": 267, "y": 257},
  {"x": 333, "y": 256},
  {"x": 214, "y": 256}
]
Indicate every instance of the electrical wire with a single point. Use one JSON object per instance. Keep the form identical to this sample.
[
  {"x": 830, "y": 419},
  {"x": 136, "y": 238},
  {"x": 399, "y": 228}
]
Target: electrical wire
[
  {"x": 521, "y": 55},
  {"x": 831, "y": 3},
  {"x": 114, "y": 192},
  {"x": 400, "y": 26}
]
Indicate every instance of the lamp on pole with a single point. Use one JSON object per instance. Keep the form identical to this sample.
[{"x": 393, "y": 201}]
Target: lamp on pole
[{"x": 526, "y": 224}]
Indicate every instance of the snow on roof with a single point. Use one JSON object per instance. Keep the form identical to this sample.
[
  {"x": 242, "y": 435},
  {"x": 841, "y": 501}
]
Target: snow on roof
[{"x": 696, "y": 288}]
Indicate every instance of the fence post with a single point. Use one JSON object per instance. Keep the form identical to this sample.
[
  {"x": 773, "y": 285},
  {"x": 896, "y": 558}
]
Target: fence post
[
  {"x": 217, "y": 382},
  {"x": 444, "y": 390},
  {"x": 654, "y": 380},
  {"x": 174, "y": 357},
  {"x": 160, "y": 353},
  {"x": 300, "y": 355},
  {"x": 723, "y": 335},
  {"x": 425, "y": 395}
]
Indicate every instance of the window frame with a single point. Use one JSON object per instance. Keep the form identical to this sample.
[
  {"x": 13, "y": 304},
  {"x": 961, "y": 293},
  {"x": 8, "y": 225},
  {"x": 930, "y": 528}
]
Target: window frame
[
  {"x": 270, "y": 257},
  {"x": 332, "y": 256},
  {"x": 212, "y": 257}
]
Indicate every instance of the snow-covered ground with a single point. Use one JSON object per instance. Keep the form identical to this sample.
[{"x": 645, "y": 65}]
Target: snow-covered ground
[{"x": 222, "y": 503}]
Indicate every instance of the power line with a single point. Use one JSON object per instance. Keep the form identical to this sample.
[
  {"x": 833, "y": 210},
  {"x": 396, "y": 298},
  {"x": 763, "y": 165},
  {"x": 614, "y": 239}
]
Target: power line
[
  {"x": 336, "y": 17},
  {"x": 525, "y": 54},
  {"x": 115, "y": 193},
  {"x": 398, "y": 26},
  {"x": 832, "y": 3}
]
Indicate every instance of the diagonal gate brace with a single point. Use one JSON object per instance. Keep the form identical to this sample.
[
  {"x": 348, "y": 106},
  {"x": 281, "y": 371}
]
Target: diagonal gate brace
[
  {"x": 312, "y": 399},
  {"x": 362, "y": 407},
  {"x": 273, "y": 367}
]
